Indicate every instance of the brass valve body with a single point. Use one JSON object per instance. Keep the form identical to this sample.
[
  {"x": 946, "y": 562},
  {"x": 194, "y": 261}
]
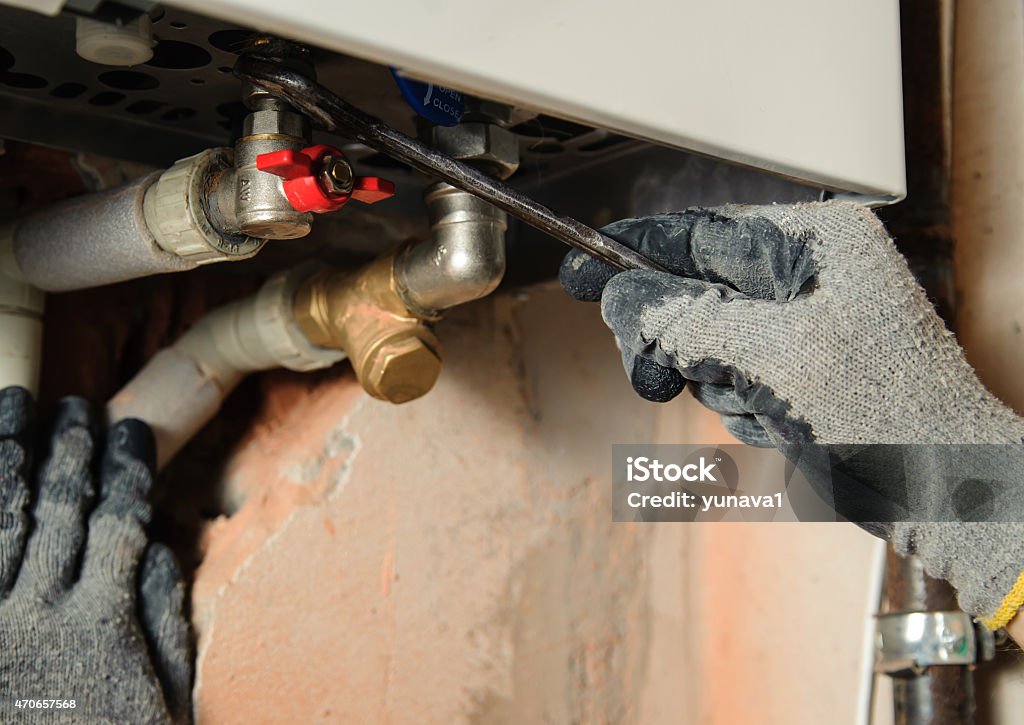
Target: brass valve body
[{"x": 394, "y": 353}]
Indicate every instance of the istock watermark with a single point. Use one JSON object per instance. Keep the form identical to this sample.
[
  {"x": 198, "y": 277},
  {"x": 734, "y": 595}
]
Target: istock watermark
[
  {"x": 707, "y": 483},
  {"x": 643, "y": 468},
  {"x": 868, "y": 484}
]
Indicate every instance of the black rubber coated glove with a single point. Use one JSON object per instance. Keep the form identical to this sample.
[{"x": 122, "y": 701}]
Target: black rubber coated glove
[
  {"x": 91, "y": 614},
  {"x": 797, "y": 323},
  {"x": 802, "y": 326}
]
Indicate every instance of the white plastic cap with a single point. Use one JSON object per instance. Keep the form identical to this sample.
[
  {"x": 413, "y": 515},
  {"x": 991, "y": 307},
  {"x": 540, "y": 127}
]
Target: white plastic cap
[{"x": 114, "y": 44}]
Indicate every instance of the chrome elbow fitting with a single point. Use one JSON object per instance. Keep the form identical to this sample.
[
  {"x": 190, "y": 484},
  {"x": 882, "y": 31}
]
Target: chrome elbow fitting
[{"x": 463, "y": 261}]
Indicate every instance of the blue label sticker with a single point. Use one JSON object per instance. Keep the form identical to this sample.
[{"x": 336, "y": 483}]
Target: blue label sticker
[{"x": 443, "y": 106}]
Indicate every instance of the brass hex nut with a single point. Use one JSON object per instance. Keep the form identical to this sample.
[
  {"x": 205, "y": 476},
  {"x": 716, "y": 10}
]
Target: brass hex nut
[
  {"x": 401, "y": 369},
  {"x": 485, "y": 144}
]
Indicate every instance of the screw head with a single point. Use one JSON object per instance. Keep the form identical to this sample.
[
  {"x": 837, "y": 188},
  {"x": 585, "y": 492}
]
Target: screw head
[{"x": 337, "y": 177}]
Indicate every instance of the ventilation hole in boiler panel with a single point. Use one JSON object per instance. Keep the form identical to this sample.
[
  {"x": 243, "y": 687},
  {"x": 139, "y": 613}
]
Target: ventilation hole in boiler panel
[
  {"x": 230, "y": 41},
  {"x": 175, "y": 55},
  {"x": 106, "y": 98},
  {"x": 233, "y": 115},
  {"x": 225, "y": 69},
  {"x": 23, "y": 80},
  {"x": 179, "y": 114},
  {"x": 178, "y": 25},
  {"x": 144, "y": 107},
  {"x": 128, "y": 80},
  {"x": 197, "y": 81},
  {"x": 6, "y": 59},
  {"x": 69, "y": 90},
  {"x": 604, "y": 143},
  {"x": 233, "y": 110}
]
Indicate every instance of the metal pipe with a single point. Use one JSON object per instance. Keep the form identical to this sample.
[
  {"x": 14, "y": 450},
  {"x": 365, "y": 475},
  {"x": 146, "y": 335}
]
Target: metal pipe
[
  {"x": 334, "y": 114},
  {"x": 465, "y": 258},
  {"x": 938, "y": 695}
]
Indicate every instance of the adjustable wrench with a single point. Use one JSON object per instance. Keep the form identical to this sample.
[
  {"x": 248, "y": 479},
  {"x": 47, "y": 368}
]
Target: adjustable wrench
[{"x": 336, "y": 115}]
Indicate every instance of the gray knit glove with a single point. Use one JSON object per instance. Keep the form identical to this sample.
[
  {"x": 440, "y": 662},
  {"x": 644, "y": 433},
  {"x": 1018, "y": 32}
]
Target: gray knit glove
[
  {"x": 802, "y": 325},
  {"x": 90, "y": 613}
]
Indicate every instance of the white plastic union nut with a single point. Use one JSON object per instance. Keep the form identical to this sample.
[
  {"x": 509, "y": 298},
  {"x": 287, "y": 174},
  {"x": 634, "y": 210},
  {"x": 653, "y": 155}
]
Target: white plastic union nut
[
  {"x": 125, "y": 44},
  {"x": 274, "y": 317},
  {"x": 176, "y": 216},
  {"x": 256, "y": 333}
]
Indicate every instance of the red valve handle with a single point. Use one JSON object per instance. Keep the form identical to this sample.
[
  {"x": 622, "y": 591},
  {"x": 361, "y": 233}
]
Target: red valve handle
[{"x": 299, "y": 169}]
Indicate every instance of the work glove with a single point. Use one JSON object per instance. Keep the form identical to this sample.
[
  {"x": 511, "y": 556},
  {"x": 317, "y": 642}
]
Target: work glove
[
  {"x": 91, "y": 614},
  {"x": 804, "y": 328}
]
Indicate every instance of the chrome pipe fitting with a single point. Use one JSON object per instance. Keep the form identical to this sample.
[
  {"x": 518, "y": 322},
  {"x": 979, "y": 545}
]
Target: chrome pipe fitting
[{"x": 465, "y": 258}]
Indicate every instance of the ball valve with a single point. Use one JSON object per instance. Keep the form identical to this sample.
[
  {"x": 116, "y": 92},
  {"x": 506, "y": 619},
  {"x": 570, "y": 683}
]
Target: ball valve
[{"x": 319, "y": 179}]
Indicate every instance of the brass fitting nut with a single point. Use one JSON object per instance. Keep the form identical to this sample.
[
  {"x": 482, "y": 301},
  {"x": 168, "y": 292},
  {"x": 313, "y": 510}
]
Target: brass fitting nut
[
  {"x": 401, "y": 369},
  {"x": 394, "y": 353}
]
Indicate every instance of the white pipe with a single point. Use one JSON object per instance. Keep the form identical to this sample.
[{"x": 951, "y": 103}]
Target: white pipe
[
  {"x": 183, "y": 386},
  {"x": 21, "y": 321},
  {"x": 866, "y": 683}
]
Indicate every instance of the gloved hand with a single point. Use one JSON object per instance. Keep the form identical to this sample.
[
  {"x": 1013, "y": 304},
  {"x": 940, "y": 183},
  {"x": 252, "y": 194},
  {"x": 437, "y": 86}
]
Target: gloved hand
[
  {"x": 802, "y": 325},
  {"x": 90, "y": 612}
]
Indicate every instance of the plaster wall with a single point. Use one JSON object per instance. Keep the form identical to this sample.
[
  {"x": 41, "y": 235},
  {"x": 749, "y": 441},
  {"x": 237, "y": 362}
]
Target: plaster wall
[{"x": 453, "y": 560}]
